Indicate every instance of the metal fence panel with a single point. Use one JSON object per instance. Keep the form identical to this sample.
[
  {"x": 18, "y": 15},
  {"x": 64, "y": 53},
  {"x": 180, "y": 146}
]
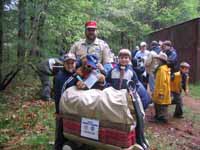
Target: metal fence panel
[{"x": 186, "y": 40}]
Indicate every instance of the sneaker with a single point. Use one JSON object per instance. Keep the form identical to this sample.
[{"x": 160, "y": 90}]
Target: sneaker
[
  {"x": 138, "y": 147},
  {"x": 70, "y": 145}
]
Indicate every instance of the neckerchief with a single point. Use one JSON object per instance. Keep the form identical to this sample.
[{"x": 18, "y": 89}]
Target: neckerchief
[{"x": 122, "y": 70}]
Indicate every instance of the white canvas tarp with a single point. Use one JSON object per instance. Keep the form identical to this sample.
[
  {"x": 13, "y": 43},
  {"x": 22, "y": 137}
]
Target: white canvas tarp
[{"x": 106, "y": 105}]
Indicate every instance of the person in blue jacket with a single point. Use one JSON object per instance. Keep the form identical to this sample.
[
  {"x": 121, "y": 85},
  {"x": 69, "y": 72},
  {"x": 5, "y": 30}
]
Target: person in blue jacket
[
  {"x": 63, "y": 80},
  {"x": 144, "y": 96},
  {"x": 122, "y": 73},
  {"x": 172, "y": 56},
  {"x": 118, "y": 78}
]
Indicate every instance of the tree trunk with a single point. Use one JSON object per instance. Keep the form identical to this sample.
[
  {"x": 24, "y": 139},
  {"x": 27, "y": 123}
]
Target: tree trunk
[
  {"x": 32, "y": 38},
  {"x": 37, "y": 26},
  {"x": 1, "y": 37},
  {"x": 40, "y": 31},
  {"x": 21, "y": 30},
  {"x": 122, "y": 39},
  {"x": 129, "y": 44},
  {"x": 41, "y": 23},
  {"x": 198, "y": 7}
]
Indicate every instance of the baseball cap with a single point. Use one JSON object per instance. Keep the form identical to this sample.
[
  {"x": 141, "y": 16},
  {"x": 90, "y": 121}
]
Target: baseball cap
[
  {"x": 185, "y": 64},
  {"x": 91, "y": 24},
  {"x": 143, "y": 44},
  {"x": 69, "y": 56},
  {"x": 92, "y": 60},
  {"x": 154, "y": 43}
]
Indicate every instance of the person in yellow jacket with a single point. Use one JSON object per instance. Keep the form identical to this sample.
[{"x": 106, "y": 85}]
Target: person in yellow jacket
[
  {"x": 161, "y": 94},
  {"x": 179, "y": 83}
]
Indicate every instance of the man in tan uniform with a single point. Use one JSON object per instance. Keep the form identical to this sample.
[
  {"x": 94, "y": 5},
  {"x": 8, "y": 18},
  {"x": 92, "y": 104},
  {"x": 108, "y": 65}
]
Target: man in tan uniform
[{"x": 92, "y": 45}]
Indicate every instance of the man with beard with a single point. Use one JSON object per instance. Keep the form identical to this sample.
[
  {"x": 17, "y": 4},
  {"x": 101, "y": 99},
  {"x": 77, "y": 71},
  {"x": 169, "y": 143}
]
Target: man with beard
[{"x": 92, "y": 45}]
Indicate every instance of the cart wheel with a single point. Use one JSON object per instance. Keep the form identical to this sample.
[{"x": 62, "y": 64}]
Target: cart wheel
[
  {"x": 137, "y": 147},
  {"x": 70, "y": 145},
  {"x": 147, "y": 142},
  {"x": 66, "y": 147}
]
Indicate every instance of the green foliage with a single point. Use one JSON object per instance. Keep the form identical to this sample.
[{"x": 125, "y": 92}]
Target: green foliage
[
  {"x": 163, "y": 143},
  {"x": 22, "y": 116},
  {"x": 190, "y": 115},
  {"x": 37, "y": 139},
  {"x": 51, "y": 26}
]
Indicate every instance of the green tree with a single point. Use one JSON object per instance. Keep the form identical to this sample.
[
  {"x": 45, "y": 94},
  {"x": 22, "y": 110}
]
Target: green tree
[{"x": 21, "y": 30}]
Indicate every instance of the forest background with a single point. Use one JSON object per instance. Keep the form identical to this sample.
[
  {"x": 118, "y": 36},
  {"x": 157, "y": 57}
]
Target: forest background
[{"x": 33, "y": 30}]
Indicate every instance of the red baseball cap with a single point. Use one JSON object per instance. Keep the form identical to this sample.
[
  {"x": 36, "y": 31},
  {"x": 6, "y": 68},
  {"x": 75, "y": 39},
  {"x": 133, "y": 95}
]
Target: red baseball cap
[{"x": 91, "y": 24}]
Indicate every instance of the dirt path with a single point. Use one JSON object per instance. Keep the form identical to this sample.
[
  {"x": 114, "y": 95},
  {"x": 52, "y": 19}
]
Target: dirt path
[
  {"x": 184, "y": 133},
  {"x": 193, "y": 104}
]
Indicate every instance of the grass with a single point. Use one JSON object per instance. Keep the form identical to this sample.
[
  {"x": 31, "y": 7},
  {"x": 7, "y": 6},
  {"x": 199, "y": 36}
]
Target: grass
[
  {"x": 32, "y": 126},
  {"x": 37, "y": 139},
  {"x": 25, "y": 122},
  {"x": 158, "y": 142},
  {"x": 195, "y": 90},
  {"x": 169, "y": 138}
]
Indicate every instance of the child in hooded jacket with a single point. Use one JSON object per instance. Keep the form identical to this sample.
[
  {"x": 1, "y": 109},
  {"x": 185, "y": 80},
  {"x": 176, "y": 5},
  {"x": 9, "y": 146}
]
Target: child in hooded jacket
[{"x": 179, "y": 84}]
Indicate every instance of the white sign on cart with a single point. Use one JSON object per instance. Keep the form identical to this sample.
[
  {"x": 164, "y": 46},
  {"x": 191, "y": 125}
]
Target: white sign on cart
[{"x": 90, "y": 128}]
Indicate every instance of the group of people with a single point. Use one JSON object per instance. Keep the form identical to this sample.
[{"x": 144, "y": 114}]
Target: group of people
[
  {"x": 153, "y": 70},
  {"x": 159, "y": 69}
]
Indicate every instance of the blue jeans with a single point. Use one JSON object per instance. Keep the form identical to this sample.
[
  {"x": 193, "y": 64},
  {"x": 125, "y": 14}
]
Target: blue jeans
[{"x": 151, "y": 82}]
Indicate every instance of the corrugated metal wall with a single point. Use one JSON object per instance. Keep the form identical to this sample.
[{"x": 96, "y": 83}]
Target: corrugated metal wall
[{"x": 186, "y": 40}]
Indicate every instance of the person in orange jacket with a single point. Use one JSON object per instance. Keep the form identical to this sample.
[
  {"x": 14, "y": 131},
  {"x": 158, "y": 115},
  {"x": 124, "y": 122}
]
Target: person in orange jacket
[
  {"x": 178, "y": 84},
  {"x": 161, "y": 94}
]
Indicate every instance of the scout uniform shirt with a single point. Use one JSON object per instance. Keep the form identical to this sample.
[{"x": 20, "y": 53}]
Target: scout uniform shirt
[{"x": 98, "y": 48}]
